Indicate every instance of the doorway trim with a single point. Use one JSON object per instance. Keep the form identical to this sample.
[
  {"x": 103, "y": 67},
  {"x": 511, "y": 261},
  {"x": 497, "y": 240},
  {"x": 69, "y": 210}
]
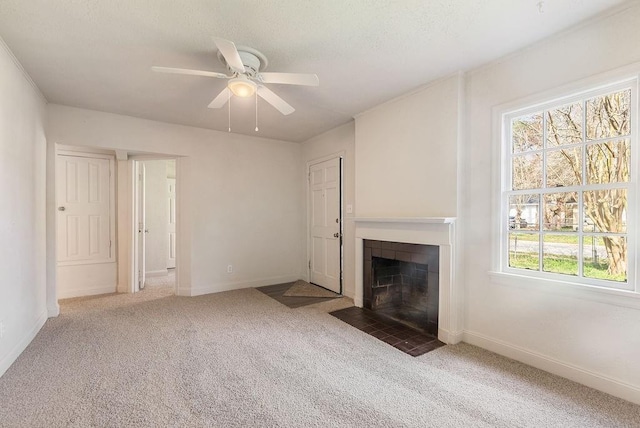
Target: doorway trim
[
  {"x": 138, "y": 224},
  {"x": 341, "y": 156}
]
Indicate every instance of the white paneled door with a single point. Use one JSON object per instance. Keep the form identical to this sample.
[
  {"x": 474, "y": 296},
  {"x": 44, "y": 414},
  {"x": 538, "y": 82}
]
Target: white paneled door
[
  {"x": 83, "y": 203},
  {"x": 140, "y": 218},
  {"x": 325, "y": 222},
  {"x": 171, "y": 256}
]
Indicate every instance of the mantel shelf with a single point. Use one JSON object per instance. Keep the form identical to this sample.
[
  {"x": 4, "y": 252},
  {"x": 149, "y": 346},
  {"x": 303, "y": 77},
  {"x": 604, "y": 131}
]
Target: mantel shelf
[{"x": 424, "y": 220}]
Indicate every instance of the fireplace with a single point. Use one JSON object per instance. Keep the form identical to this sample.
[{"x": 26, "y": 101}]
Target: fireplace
[
  {"x": 397, "y": 235},
  {"x": 400, "y": 281}
]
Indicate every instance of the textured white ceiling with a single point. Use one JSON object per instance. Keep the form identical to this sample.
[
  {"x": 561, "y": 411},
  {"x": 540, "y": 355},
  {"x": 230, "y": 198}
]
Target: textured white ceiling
[{"x": 97, "y": 54}]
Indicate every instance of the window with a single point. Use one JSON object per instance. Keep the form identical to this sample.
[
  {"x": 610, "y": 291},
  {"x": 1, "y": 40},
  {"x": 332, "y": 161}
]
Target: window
[{"x": 568, "y": 180}]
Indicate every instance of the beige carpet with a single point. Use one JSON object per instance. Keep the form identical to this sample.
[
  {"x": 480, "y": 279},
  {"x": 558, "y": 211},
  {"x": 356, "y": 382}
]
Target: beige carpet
[
  {"x": 241, "y": 359},
  {"x": 303, "y": 289}
]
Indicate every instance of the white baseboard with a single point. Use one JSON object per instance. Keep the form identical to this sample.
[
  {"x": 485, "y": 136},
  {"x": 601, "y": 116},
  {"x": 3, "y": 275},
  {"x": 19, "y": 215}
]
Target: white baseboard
[
  {"x": 601, "y": 382},
  {"x": 8, "y": 359},
  {"x": 152, "y": 273},
  {"x": 82, "y": 292},
  {"x": 236, "y": 285},
  {"x": 448, "y": 337}
]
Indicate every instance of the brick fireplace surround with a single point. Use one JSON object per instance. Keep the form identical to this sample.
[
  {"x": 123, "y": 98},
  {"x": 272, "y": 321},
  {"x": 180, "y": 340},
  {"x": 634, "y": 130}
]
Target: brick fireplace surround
[{"x": 438, "y": 231}]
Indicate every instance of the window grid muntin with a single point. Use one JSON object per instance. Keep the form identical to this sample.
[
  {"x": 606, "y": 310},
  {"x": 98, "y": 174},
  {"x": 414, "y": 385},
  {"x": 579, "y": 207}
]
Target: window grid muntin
[{"x": 583, "y": 98}]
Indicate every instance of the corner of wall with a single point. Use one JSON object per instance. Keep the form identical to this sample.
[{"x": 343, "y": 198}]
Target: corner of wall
[
  {"x": 23, "y": 115},
  {"x": 37, "y": 92},
  {"x": 53, "y": 311},
  {"x": 51, "y": 283},
  {"x": 458, "y": 256}
]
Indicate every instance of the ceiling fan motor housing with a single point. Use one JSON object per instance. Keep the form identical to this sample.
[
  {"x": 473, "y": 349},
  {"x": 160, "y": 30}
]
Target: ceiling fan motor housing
[
  {"x": 253, "y": 60},
  {"x": 251, "y": 63}
]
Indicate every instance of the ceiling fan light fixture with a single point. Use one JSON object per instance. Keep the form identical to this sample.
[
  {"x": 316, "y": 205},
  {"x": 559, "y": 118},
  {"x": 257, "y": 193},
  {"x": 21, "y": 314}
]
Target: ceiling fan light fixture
[{"x": 242, "y": 87}]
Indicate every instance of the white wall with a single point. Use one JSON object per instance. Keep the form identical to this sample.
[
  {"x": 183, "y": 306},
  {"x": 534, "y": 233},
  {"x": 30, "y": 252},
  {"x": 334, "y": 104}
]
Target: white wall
[
  {"x": 594, "y": 343},
  {"x": 23, "y": 308},
  {"x": 156, "y": 216},
  {"x": 406, "y": 154},
  {"x": 339, "y": 141},
  {"x": 239, "y": 198}
]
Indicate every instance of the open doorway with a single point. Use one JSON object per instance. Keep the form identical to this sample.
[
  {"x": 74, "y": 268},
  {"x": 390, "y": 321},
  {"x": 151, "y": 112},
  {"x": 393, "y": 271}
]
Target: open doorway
[
  {"x": 98, "y": 235},
  {"x": 155, "y": 225}
]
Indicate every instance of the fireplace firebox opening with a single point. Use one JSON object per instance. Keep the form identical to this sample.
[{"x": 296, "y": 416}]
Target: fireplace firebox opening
[{"x": 401, "y": 282}]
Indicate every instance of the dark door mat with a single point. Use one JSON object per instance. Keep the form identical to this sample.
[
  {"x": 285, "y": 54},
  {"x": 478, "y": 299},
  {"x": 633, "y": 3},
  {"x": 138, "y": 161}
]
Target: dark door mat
[
  {"x": 277, "y": 291},
  {"x": 398, "y": 335}
]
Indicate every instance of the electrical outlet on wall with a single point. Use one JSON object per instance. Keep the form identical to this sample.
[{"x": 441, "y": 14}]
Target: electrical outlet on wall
[
  {"x": 229, "y": 268},
  {"x": 1, "y": 329}
]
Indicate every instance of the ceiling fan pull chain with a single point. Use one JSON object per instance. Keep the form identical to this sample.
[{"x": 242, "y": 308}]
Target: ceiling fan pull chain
[
  {"x": 229, "y": 102},
  {"x": 256, "y": 111}
]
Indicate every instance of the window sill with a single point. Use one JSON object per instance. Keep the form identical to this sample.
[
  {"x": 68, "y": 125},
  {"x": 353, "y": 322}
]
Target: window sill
[{"x": 624, "y": 298}]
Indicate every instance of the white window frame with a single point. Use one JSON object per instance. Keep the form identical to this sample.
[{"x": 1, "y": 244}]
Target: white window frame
[{"x": 617, "y": 293}]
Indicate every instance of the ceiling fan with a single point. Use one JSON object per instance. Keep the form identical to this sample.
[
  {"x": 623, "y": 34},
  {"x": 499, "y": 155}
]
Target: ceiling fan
[{"x": 247, "y": 77}]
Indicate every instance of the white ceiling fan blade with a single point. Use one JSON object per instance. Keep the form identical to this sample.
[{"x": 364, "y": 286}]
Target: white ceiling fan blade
[
  {"x": 281, "y": 105},
  {"x": 230, "y": 54},
  {"x": 291, "y": 78},
  {"x": 221, "y": 99},
  {"x": 190, "y": 72}
]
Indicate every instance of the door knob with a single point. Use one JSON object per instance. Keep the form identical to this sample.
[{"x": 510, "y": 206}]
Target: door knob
[
  {"x": 61, "y": 208},
  {"x": 336, "y": 235}
]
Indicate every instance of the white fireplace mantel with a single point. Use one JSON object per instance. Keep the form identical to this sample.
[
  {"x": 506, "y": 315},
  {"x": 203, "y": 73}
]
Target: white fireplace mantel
[{"x": 438, "y": 231}]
